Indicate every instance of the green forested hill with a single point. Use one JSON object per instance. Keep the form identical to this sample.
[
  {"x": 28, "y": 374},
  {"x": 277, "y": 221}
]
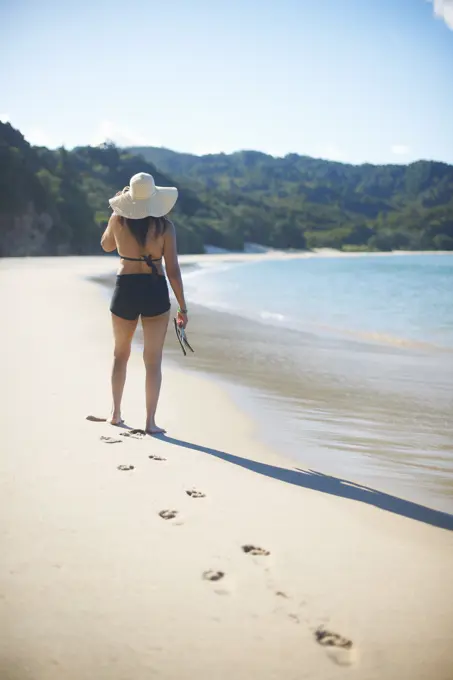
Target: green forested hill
[
  {"x": 280, "y": 201},
  {"x": 56, "y": 201}
]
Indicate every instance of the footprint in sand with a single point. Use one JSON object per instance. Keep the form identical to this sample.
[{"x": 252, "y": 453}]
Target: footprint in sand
[
  {"x": 157, "y": 458},
  {"x": 193, "y": 493},
  {"x": 339, "y": 648},
  {"x": 125, "y": 467},
  {"x": 134, "y": 434},
  {"x": 111, "y": 440},
  {"x": 253, "y": 550},
  {"x": 168, "y": 514},
  {"x": 212, "y": 575}
]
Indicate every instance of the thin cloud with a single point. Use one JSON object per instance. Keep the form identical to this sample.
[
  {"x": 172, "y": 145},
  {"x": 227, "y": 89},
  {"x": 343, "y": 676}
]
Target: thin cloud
[
  {"x": 400, "y": 149},
  {"x": 444, "y": 10},
  {"x": 110, "y": 131}
]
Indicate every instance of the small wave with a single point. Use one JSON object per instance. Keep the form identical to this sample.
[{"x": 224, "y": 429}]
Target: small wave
[
  {"x": 403, "y": 342},
  {"x": 206, "y": 268},
  {"x": 274, "y": 318},
  {"x": 384, "y": 338},
  {"x": 199, "y": 298}
]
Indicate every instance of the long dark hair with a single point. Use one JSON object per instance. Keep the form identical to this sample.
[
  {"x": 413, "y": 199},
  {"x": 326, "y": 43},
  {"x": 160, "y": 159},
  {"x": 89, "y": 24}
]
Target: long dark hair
[{"x": 139, "y": 228}]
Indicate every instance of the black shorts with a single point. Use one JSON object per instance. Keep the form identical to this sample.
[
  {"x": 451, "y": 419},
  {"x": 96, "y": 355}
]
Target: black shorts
[{"x": 140, "y": 294}]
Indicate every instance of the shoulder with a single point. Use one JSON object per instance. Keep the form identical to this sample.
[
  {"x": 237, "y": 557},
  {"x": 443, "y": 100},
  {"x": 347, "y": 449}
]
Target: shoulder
[
  {"x": 169, "y": 227},
  {"x": 115, "y": 221}
]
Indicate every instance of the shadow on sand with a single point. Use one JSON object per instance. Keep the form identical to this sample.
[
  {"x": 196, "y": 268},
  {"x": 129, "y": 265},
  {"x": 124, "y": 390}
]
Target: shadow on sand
[{"x": 309, "y": 479}]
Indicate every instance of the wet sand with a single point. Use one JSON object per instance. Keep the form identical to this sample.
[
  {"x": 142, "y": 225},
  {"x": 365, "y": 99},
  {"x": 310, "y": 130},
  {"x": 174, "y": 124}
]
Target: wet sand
[
  {"x": 377, "y": 414},
  {"x": 271, "y": 570}
]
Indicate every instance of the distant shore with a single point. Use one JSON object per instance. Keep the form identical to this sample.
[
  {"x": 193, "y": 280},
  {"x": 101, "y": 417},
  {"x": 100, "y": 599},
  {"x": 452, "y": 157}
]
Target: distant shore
[
  {"x": 272, "y": 254},
  {"x": 260, "y": 253}
]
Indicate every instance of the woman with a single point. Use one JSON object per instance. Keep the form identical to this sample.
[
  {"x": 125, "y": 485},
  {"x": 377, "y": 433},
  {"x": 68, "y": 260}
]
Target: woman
[{"x": 141, "y": 232}]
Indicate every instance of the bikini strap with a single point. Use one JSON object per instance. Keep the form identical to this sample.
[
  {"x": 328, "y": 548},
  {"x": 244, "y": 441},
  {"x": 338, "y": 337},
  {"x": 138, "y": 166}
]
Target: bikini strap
[
  {"x": 150, "y": 262},
  {"x": 145, "y": 258},
  {"x": 131, "y": 259}
]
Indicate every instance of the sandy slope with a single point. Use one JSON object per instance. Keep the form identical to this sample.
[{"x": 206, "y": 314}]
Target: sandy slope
[{"x": 94, "y": 584}]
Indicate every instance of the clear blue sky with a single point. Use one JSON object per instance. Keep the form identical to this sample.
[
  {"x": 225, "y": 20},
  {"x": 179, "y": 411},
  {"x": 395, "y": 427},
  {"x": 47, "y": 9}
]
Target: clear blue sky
[{"x": 351, "y": 80}]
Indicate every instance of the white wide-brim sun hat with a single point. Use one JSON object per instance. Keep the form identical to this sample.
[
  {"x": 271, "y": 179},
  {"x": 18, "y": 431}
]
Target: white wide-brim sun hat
[{"x": 143, "y": 199}]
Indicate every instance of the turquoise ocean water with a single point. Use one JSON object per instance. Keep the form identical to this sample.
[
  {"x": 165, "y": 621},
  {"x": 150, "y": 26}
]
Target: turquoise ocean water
[
  {"x": 350, "y": 358},
  {"x": 401, "y": 300}
]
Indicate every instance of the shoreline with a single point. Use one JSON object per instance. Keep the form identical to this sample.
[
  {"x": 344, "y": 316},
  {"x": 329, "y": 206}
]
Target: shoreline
[
  {"x": 297, "y": 255},
  {"x": 234, "y": 256},
  {"x": 352, "y": 438},
  {"x": 315, "y": 425},
  {"x": 97, "y": 584}
]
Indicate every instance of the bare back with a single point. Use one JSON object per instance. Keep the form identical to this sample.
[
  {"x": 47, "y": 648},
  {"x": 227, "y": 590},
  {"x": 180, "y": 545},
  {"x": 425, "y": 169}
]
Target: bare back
[{"x": 127, "y": 245}]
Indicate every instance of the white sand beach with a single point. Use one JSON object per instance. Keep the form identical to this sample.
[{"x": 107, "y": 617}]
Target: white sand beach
[{"x": 96, "y": 585}]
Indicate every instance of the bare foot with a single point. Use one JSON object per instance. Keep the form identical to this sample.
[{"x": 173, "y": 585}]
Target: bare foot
[
  {"x": 154, "y": 429},
  {"x": 115, "y": 419}
]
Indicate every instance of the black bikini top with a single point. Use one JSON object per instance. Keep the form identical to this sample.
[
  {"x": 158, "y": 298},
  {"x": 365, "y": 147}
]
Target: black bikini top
[{"x": 145, "y": 258}]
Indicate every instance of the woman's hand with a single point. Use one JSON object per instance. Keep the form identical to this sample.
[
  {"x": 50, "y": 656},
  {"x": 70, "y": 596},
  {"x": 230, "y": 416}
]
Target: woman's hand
[
  {"x": 120, "y": 193},
  {"x": 182, "y": 319}
]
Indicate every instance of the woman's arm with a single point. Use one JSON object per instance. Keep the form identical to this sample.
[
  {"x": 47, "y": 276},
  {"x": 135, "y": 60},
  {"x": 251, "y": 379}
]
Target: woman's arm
[
  {"x": 174, "y": 272},
  {"x": 108, "y": 242}
]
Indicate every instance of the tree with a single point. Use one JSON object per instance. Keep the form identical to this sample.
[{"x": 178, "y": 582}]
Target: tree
[
  {"x": 226, "y": 200},
  {"x": 443, "y": 242}
]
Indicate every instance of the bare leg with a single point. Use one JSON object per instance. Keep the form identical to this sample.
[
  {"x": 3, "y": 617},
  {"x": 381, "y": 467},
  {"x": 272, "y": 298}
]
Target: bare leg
[
  {"x": 154, "y": 331},
  {"x": 123, "y": 332}
]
